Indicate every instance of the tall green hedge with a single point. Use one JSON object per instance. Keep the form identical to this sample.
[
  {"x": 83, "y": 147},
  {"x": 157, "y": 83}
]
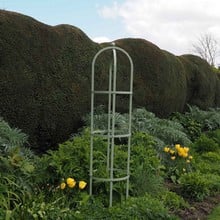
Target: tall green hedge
[{"x": 45, "y": 74}]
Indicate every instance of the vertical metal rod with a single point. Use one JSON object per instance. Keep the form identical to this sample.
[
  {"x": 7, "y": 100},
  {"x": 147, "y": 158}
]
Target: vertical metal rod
[
  {"x": 92, "y": 129},
  {"x": 91, "y": 165},
  {"x": 109, "y": 115},
  {"x": 113, "y": 125},
  {"x": 129, "y": 130}
]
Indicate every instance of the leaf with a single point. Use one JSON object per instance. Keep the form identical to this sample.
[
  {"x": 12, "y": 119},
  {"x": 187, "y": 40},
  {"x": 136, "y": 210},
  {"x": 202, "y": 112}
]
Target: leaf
[
  {"x": 173, "y": 178},
  {"x": 8, "y": 214},
  {"x": 28, "y": 167}
]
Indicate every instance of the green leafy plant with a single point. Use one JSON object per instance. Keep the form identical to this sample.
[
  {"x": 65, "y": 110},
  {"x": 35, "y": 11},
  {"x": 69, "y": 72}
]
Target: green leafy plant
[
  {"x": 208, "y": 162},
  {"x": 101, "y": 120},
  {"x": 13, "y": 192},
  {"x": 209, "y": 120},
  {"x": 166, "y": 130},
  {"x": 173, "y": 201},
  {"x": 146, "y": 170},
  {"x": 192, "y": 128},
  {"x": 194, "y": 186},
  {"x": 17, "y": 167},
  {"x": 93, "y": 209},
  {"x": 177, "y": 161},
  {"x": 70, "y": 159},
  {"x": 144, "y": 121},
  {"x": 214, "y": 214},
  {"x": 214, "y": 183},
  {"x": 215, "y": 136},
  {"x": 39, "y": 208},
  {"x": 204, "y": 144},
  {"x": 145, "y": 207},
  {"x": 195, "y": 121},
  {"x": 10, "y": 137}
]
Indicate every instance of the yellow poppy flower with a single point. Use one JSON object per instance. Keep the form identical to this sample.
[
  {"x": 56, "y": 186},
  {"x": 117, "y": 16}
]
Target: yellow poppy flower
[
  {"x": 188, "y": 161},
  {"x": 177, "y": 146},
  {"x": 82, "y": 184},
  {"x": 173, "y": 158},
  {"x": 186, "y": 149},
  {"x": 172, "y": 151},
  {"x": 72, "y": 185},
  {"x": 184, "y": 154},
  {"x": 62, "y": 185},
  {"x": 180, "y": 151},
  {"x": 166, "y": 149},
  {"x": 70, "y": 181},
  {"x": 190, "y": 157}
]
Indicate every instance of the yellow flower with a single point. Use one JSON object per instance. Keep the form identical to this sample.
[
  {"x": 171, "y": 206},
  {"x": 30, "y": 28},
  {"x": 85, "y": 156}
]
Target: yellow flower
[
  {"x": 177, "y": 146},
  {"x": 186, "y": 149},
  {"x": 172, "y": 151},
  {"x": 82, "y": 184},
  {"x": 62, "y": 185},
  {"x": 188, "y": 161},
  {"x": 72, "y": 185},
  {"x": 173, "y": 158},
  {"x": 180, "y": 151},
  {"x": 190, "y": 157},
  {"x": 70, "y": 181},
  {"x": 166, "y": 149},
  {"x": 184, "y": 154}
]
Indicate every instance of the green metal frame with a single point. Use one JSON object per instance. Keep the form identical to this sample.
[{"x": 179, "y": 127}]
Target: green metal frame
[{"x": 110, "y": 133}]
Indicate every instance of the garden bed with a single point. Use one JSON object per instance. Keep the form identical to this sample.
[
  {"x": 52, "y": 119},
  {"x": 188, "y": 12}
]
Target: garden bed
[
  {"x": 199, "y": 210},
  {"x": 174, "y": 171}
]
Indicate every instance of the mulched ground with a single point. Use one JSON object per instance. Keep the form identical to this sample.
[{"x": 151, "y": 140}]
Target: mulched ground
[{"x": 199, "y": 210}]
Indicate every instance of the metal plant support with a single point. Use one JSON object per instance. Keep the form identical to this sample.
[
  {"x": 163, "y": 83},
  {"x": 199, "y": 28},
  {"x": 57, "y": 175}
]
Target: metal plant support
[{"x": 110, "y": 133}]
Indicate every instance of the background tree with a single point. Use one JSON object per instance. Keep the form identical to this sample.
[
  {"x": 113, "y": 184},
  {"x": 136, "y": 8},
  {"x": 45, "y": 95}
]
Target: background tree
[{"x": 207, "y": 48}]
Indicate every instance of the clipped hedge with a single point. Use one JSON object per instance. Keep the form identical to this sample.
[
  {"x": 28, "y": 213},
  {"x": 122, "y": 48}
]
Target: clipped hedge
[
  {"x": 46, "y": 70},
  {"x": 203, "y": 84},
  {"x": 44, "y": 77}
]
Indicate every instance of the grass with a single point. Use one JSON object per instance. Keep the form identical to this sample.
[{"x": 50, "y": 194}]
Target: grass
[{"x": 215, "y": 214}]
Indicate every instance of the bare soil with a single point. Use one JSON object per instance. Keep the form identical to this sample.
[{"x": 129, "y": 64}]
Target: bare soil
[{"x": 199, "y": 210}]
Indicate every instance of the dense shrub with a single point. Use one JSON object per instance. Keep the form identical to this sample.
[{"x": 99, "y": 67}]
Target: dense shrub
[
  {"x": 71, "y": 159},
  {"x": 194, "y": 186},
  {"x": 214, "y": 183},
  {"x": 146, "y": 207},
  {"x": 202, "y": 88},
  {"x": 195, "y": 121},
  {"x": 208, "y": 162},
  {"x": 192, "y": 128},
  {"x": 173, "y": 201},
  {"x": 214, "y": 135},
  {"x": 11, "y": 137},
  {"x": 146, "y": 172},
  {"x": 204, "y": 144},
  {"x": 209, "y": 119},
  {"x": 17, "y": 165},
  {"x": 166, "y": 130}
]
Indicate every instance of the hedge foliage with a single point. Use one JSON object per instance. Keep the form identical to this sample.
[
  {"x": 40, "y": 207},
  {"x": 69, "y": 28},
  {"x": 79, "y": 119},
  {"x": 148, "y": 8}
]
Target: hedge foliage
[{"x": 45, "y": 76}]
